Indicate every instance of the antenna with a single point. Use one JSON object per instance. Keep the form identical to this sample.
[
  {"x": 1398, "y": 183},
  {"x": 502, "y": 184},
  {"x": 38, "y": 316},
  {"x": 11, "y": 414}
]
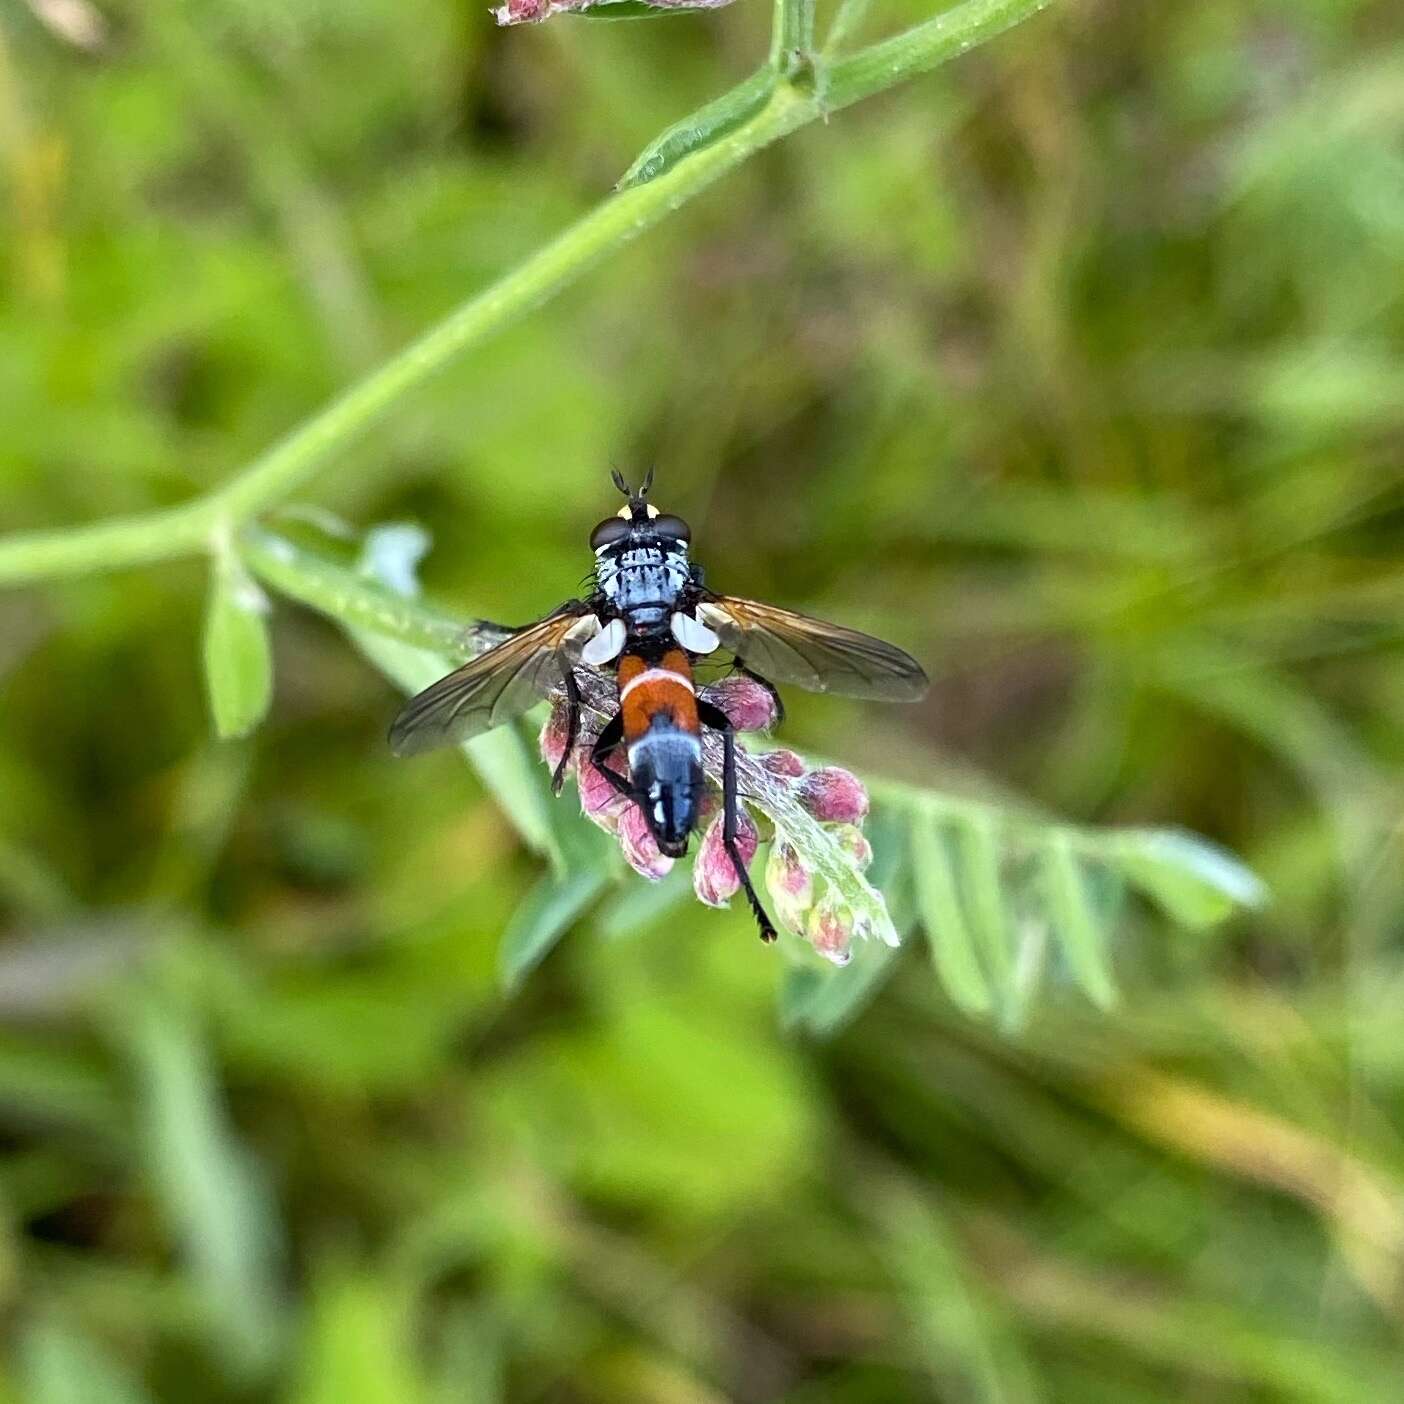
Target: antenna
[{"x": 620, "y": 483}]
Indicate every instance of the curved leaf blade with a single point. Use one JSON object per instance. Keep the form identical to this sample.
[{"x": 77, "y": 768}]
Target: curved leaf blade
[
  {"x": 701, "y": 128},
  {"x": 947, "y": 931},
  {"x": 541, "y": 920},
  {"x": 978, "y": 847},
  {"x": 1194, "y": 882},
  {"x": 1083, "y": 936},
  {"x": 237, "y": 655}
]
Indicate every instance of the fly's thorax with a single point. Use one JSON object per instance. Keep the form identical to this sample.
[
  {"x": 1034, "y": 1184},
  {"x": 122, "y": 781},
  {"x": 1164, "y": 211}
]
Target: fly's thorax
[{"x": 643, "y": 577}]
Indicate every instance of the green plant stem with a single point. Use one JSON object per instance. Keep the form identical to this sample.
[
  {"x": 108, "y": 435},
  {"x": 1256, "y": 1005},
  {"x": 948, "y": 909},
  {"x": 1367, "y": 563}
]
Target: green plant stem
[
  {"x": 287, "y": 466},
  {"x": 791, "y": 34},
  {"x": 918, "y": 50},
  {"x": 845, "y": 23},
  {"x": 352, "y": 600}
]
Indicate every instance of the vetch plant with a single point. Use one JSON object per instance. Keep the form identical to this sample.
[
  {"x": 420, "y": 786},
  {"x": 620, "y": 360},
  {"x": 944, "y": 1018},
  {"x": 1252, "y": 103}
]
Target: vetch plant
[{"x": 1007, "y": 899}]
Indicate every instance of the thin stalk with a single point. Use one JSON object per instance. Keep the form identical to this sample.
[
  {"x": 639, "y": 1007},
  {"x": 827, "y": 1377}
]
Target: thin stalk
[
  {"x": 791, "y": 35},
  {"x": 845, "y": 24},
  {"x": 355, "y": 601},
  {"x": 923, "y": 47},
  {"x": 290, "y": 463}
]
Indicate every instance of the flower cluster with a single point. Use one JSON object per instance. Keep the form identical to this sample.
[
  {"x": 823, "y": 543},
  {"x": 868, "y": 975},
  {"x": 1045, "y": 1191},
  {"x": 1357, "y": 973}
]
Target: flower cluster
[{"x": 801, "y": 901}]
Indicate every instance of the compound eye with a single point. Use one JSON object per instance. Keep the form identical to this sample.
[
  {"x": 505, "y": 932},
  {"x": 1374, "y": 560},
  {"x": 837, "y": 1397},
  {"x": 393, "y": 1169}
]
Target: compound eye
[
  {"x": 610, "y": 532},
  {"x": 672, "y": 527}
]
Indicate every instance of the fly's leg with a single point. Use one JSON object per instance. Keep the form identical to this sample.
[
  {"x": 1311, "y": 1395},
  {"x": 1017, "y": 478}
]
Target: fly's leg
[
  {"x": 739, "y": 665},
  {"x": 572, "y": 692},
  {"x": 713, "y": 717},
  {"x": 605, "y": 742}
]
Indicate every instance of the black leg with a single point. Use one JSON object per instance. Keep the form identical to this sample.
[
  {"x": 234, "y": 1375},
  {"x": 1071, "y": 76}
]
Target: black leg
[
  {"x": 572, "y": 692},
  {"x": 718, "y": 720},
  {"x": 605, "y": 742},
  {"x": 740, "y": 667}
]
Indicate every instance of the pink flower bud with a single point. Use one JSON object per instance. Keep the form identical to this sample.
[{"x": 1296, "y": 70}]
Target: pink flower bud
[
  {"x": 714, "y": 876},
  {"x": 786, "y": 764},
  {"x": 599, "y": 799},
  {"x": 830, "y": 929},
  {"x": 522, "y": 11},
  {"x": 790, "y": 883},
  {"x": 553, "y": 740},
  {"x": 849, "y": 837},
  {"x": 834, "y": 796},
  {"x": 639, "y": 847},
  {"x": 748, "y": 703}
]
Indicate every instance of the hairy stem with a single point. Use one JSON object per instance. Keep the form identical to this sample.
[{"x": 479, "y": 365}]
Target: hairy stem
[
  {"x": 356, "y": 602},
  {"x": 289, "y": 464},
  {"x": 791, "y": 35}
]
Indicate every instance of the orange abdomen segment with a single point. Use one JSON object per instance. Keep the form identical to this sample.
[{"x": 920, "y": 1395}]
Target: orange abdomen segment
[{"x": 664, "y": 688}]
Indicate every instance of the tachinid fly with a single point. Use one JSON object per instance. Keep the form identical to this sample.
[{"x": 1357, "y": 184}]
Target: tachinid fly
[{"x": 648, "y": 620}]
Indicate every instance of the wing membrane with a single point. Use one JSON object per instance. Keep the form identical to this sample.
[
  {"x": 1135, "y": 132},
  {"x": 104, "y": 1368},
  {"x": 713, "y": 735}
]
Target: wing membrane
[
  {"x": 492, "y": 688},
  {"x": 787, "y": 647}
]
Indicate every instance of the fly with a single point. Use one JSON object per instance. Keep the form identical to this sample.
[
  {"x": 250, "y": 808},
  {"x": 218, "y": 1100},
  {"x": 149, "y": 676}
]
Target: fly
[{"x": 648, "y": 619}]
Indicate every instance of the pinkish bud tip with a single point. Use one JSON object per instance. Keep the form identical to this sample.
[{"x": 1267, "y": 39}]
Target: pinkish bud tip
[
  {"x": 639, "y": 847},
  {"x": 521, "y": 11},
  {"x": 600, "y": 801},
  {"x": 714, "y": 876},
  {"x": 850, "y": 838},
  {"x": 553, "y": 739},
  {"x": 785, "y": 764},
  {"x": 748, "y": 704},
  {"x": 830, "y": 929},
  {"x": 790, "y": 883},
  {"x": 834, "y": 796}
]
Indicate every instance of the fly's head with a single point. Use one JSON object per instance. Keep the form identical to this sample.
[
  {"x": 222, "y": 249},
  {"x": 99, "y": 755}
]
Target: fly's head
[{"x": 640, "y": 540}]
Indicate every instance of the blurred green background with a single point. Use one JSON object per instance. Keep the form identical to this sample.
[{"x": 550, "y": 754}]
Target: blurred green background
[{"x": 1077, "y": 368}]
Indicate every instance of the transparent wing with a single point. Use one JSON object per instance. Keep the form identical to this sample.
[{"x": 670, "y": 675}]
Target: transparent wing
[
  {"x": 491, "y": 689},
  {"x": 787, "y": 647}
]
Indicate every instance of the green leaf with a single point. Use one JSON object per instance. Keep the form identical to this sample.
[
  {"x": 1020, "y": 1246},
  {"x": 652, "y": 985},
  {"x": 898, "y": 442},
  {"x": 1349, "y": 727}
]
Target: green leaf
[
  {"x": 947, "y": 932},
  {"x": 953, "y": 1320},
  {"x": 541, "y": 920},
  {"x": 517, "y": 779},
  {"x": 59, "y": 1366},
  {"x": 1083, "y": 937},
  {"x": 823, "y": 999},
  {"x": 238, "y": 658},
  {"x": 1030, "y": 961},
  {"x": 701, "y": 128},
  {"x": 639, "y": 905},
  {"x": 1193, "y": 881},
  {"x": 205, "y": 1181},
  {"x": 978, "y": 847}
]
